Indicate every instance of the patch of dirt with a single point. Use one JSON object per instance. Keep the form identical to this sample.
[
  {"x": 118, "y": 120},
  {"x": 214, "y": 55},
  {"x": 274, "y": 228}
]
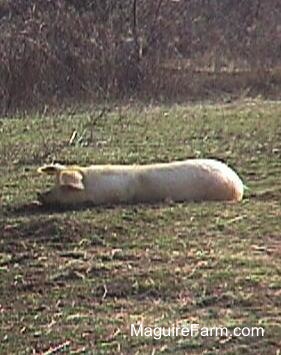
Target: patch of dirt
[{"x": 50, "y": 230}]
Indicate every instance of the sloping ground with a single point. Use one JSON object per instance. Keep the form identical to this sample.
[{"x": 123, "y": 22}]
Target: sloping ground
[{"x": 76, "y": 280}]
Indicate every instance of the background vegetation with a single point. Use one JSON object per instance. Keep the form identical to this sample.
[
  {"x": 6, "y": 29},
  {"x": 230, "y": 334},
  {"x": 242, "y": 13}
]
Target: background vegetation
[{"x": 53, "y": 52}]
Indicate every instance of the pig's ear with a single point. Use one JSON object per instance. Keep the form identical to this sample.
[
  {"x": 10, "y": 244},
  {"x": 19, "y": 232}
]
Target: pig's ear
[
  {"x": 71, "y": 178},
  {"x": 51, "y": 169}
]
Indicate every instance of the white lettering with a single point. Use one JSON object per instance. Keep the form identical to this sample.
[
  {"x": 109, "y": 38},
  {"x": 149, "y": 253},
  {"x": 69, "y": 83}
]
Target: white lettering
[
  {"x": 157, "y": 333},
  {"x": 148, "y": 332},
  {"x": 137, "y": 333},
  {"x": 185, "y": 331},
  {"x": 194, "y": 331}
]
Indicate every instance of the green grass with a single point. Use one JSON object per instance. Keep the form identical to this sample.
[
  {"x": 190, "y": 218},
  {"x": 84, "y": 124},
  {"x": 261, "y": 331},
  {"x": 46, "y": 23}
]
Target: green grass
[{"x": 82, "y": 277}]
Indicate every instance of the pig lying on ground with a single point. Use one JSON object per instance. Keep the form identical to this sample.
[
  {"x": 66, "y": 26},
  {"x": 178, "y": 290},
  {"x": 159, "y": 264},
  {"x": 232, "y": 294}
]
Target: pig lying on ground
[{"x": 189, "y": 180}]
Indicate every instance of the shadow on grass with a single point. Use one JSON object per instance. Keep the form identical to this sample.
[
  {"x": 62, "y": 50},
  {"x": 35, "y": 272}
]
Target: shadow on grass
[{"x": 35, "y": 208}]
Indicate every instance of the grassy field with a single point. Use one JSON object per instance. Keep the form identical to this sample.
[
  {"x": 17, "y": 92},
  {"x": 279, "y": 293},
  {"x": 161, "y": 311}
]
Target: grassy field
[{"x": 76, "y": 280}]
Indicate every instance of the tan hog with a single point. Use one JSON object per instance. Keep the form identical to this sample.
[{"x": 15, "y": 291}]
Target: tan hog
[{"x": 189, "y": 180}]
